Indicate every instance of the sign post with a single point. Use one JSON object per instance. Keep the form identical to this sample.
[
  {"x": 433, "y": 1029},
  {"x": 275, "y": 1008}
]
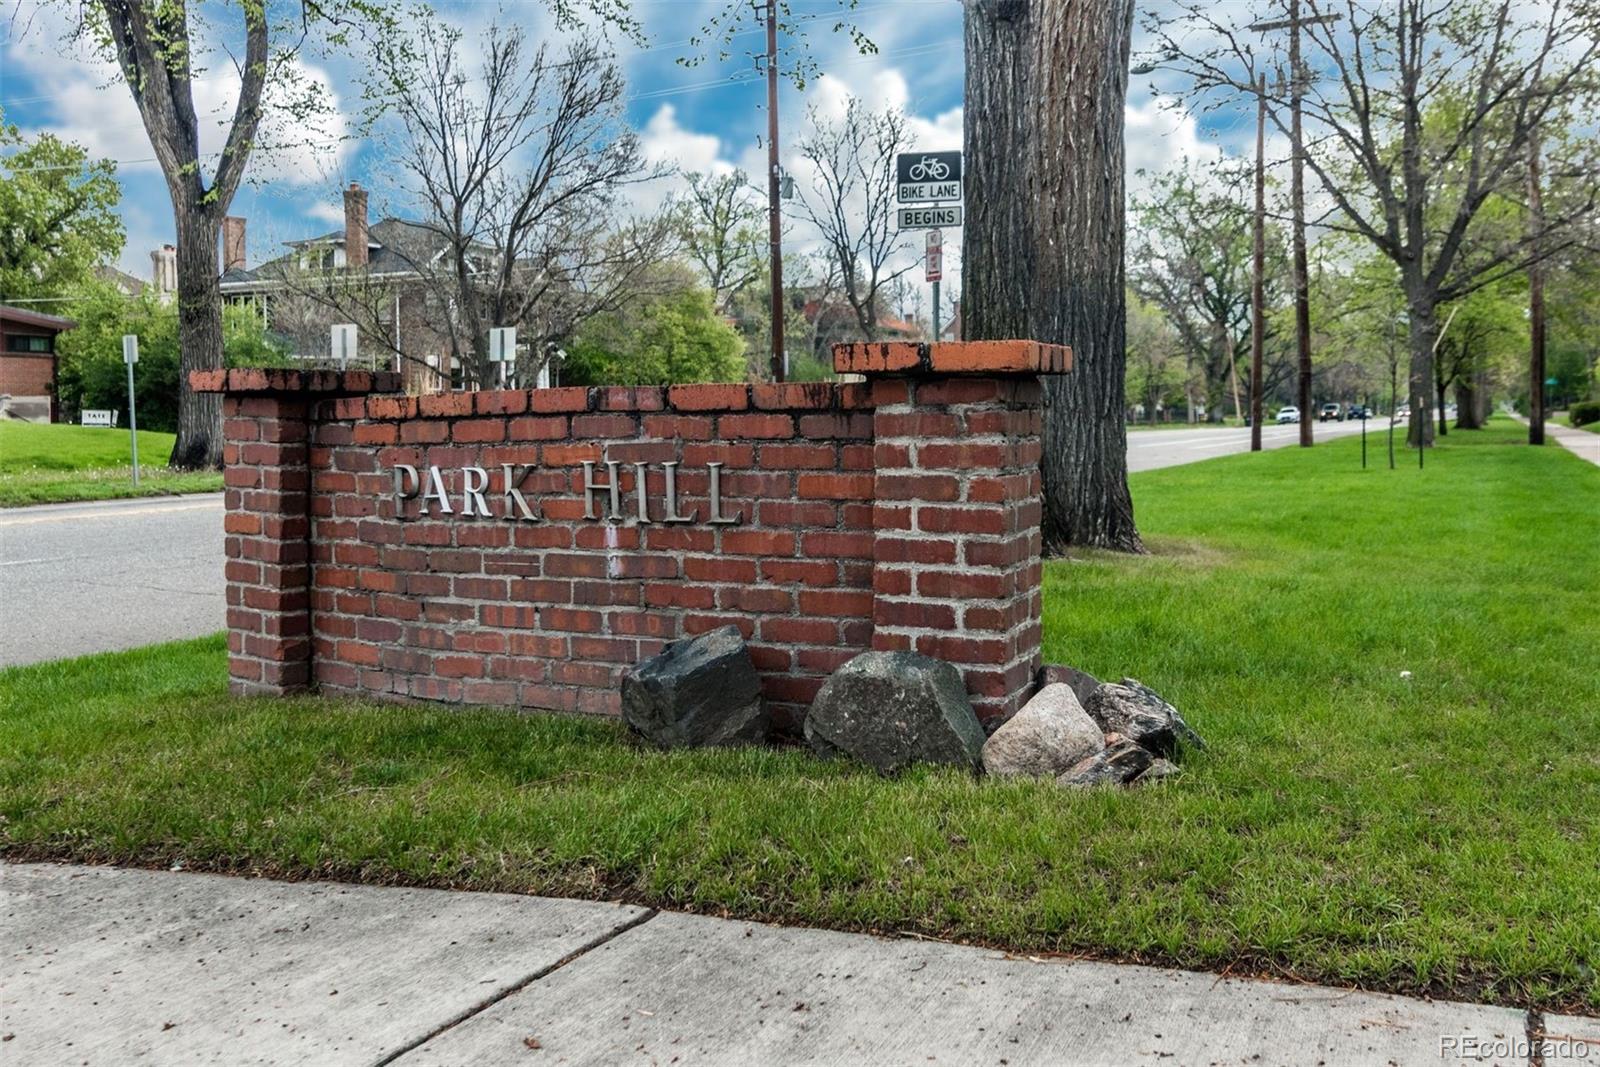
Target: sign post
[
  {"x": 344, "y": 343},
  {"x": 502, "y": 349},
  {"x": 925, "y": 178},
  {"x": 130, "y": 356}
]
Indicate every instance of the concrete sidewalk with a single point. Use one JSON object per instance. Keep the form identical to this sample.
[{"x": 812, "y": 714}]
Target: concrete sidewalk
[
  {"x": 107, "y": 966},
  {"x": 1580, "y": 443}
]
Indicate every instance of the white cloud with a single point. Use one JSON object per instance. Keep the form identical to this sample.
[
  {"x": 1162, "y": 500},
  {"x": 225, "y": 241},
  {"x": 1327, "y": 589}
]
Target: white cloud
[{"x": 89, "y": 104}]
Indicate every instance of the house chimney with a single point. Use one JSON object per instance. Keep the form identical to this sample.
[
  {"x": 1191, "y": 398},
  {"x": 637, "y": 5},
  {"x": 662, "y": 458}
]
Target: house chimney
[
  {"x": 232, "y": 243},
  {"x": 355, "y": 226},
  {"x": 164, "y": 269}
]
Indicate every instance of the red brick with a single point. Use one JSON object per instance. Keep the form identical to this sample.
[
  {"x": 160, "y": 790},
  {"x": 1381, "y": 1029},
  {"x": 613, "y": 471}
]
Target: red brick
[
  {"x": 760, "y": 426},
  {"x": 963, "y": 520},
  {"x": 913, "y": 550},
  {"x": 836, "y": 602},
  {"x": 478, "y": 431},
  {"x": 791, "y": 631},
  {"x": 836, "y": 486},
  {"x": 758, "y": 542},
  {"x": 812, "y": 572},
  {"x": 791, "y": 396},
  {"x": 424, "y": 431},
  {"x": 444, "y": 405},
  {"x": 571, "y": 619},
  {"x": 624, "y": 398},
  {"x": 597, "y": 426},
  {"x": 913, "y": 613},
  {"x": 682, "y": 427},
  {"x": 709, "y": 397},
  {"x": 500, "y": 402},
  {"x": 789, "y": 457},
  {"x": 563, "y": 399},
  {"x": 828, "y": 544}
]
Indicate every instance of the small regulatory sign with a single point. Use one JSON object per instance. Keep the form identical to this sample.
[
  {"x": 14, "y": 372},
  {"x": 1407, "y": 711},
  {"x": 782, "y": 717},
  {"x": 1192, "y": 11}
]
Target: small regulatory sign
[
  {"x": 926, "y": 176},
  {"x": 934, "y": 264},
  {"x": 927, "y": 218}
]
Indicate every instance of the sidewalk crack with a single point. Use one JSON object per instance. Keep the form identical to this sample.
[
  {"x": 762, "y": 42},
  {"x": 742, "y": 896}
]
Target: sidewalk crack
[{"x": 517, "y": 987}]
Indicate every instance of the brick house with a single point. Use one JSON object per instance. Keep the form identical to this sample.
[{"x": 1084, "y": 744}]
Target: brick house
[
  {"x": 28, "y": 363},
  {"x": 378, "y": 264}
]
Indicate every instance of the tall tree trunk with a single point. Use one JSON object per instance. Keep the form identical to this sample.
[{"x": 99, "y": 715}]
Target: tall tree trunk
[
  {"x": 1443, "y": 397},
  {"x": 1046, "y": 83},
  {"x": 1469, "y": 415},
  {"x": 1419, "y": 388},
  {"x": 199, "y": 443}
]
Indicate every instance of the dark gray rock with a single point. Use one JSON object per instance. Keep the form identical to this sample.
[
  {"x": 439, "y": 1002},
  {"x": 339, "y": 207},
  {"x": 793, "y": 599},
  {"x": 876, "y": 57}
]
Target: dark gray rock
[
  {"x": 1116, "y": 765},
  {"x": 1138, "y": 713},
  {"x": 1050, "y": 734},
  {"x": 698, "y": 692},
  {"x": 892, "y": 709},
  {"x": 1158, "y": 769},
  {"x": 1083, "y": 683}
]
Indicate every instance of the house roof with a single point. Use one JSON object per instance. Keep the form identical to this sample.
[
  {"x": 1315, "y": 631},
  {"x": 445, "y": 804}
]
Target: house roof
[
  {"x": 394, "y": 246},
  {"x": 35, "y": 318}
]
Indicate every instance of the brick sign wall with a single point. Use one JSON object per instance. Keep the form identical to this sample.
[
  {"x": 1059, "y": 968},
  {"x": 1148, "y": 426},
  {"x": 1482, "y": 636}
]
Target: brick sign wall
[{"x": 525, "y": 548}]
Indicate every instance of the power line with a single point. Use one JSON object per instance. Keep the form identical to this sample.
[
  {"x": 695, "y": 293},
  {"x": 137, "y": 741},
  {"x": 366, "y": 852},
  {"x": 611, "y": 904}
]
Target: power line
[{"x": 740, "y": 78}]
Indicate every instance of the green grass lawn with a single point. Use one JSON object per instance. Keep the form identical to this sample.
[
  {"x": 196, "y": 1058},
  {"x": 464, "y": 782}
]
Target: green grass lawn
[
  {"x": 44, "y": 464},
  {"x": 1433, "y": 835}
]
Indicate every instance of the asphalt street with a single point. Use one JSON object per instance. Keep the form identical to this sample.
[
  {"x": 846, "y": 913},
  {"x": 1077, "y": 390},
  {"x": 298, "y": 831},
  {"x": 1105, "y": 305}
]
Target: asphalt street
[
  {"x": 1149, "y": 449},
  {"x": 80, "y": 578}
]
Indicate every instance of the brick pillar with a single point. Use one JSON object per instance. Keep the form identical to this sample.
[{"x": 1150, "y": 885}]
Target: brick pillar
[
  {"x": 267, "y": 419},
  {"x": 956, "y": 553}
]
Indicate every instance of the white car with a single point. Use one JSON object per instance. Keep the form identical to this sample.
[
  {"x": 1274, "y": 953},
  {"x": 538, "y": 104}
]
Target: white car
[{"x": 1288, "y": 414}]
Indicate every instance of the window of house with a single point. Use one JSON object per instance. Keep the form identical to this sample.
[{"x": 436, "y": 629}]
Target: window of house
[{"x": 18, "y": 342}]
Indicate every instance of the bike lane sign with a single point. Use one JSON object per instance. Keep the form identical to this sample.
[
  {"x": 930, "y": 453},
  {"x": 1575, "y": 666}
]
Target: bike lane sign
[{"x": 928, "y": 176}]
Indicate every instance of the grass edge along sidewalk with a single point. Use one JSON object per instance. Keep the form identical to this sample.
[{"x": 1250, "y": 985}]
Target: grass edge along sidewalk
[
  {"x": 1427, "y": 835},
  {"x": 54, "y": 463}
]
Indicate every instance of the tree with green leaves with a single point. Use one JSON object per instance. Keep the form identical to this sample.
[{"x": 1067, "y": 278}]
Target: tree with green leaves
[
  {"x": 1419, "y": 114},
  {"x": 90, "y": 370},
  {"x": 161, "y": 47},
  {"x": 60, "y": 216},
  {"x": 721, "y": 229},
  {"x": 671, "y": 336},
  {"x": 1190, "y": 259}
]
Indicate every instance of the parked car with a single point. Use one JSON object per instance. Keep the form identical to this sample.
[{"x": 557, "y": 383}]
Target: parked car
[
  {"x": 1358, "y": 411},
  {"x": 1288, "y": 414},
  {"x": 1401, "y": 414},
  {"x": 1330, "y": 411}
]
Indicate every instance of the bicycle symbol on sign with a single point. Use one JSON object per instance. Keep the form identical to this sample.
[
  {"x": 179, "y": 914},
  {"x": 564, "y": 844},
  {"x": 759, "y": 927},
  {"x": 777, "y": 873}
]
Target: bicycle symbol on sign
[{"x": 930, "y": 169}]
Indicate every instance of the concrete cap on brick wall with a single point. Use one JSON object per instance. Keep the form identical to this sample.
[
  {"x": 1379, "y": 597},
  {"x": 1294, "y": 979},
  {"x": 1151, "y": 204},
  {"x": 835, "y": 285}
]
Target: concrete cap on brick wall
[
  {"x": 987, "y": 358},
  {"x": 260, "y": 381}
]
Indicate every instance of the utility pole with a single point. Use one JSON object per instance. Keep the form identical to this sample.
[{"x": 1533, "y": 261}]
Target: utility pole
[
  {"x": 1297, "y": 197},
  {"x": 774, "y": 176},
  {"x": 1258, "y": 268},
  {"x": 1535, "y": 298}
]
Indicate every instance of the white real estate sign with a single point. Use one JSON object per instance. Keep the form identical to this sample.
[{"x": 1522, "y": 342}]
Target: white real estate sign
[{"x": 99, "y": 418}]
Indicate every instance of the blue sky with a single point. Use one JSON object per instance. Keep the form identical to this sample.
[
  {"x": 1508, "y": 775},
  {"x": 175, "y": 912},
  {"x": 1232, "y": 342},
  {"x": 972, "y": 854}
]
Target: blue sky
[{"x": 704, "y": 117}]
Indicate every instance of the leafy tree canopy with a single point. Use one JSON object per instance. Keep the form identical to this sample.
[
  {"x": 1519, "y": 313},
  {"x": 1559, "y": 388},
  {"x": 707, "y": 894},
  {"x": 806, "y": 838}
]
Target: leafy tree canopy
[
  {"x": 659, "y": 340},
  {"x": 58, "y": 218}
]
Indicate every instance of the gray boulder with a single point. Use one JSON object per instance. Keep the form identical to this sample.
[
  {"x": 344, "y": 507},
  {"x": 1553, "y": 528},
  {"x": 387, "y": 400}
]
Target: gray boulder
[
  {"x": 1118, "y": 764},
  {"x": 1083, "y": 683},
  {"x": 1138, "y": 713},
  {"x": 1048, "y": 736},
  {"x": 697, "y": 692},
  {"x": 1159, "y": 769},
  {"x": 892, "y": 709}
]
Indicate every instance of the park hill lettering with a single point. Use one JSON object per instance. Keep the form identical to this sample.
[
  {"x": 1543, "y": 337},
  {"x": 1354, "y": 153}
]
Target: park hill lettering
[{"x": 476, "y": 492}]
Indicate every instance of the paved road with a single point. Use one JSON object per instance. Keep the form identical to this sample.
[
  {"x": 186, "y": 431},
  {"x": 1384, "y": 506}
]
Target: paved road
[
  {"x": 1149, "y": 449},
  {"x": 108, "y": 966},
  {"x": 80, "y": 578}
]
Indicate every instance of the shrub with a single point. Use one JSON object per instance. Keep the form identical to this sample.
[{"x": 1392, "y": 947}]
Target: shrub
[{"x": 1584, "y": 412}]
